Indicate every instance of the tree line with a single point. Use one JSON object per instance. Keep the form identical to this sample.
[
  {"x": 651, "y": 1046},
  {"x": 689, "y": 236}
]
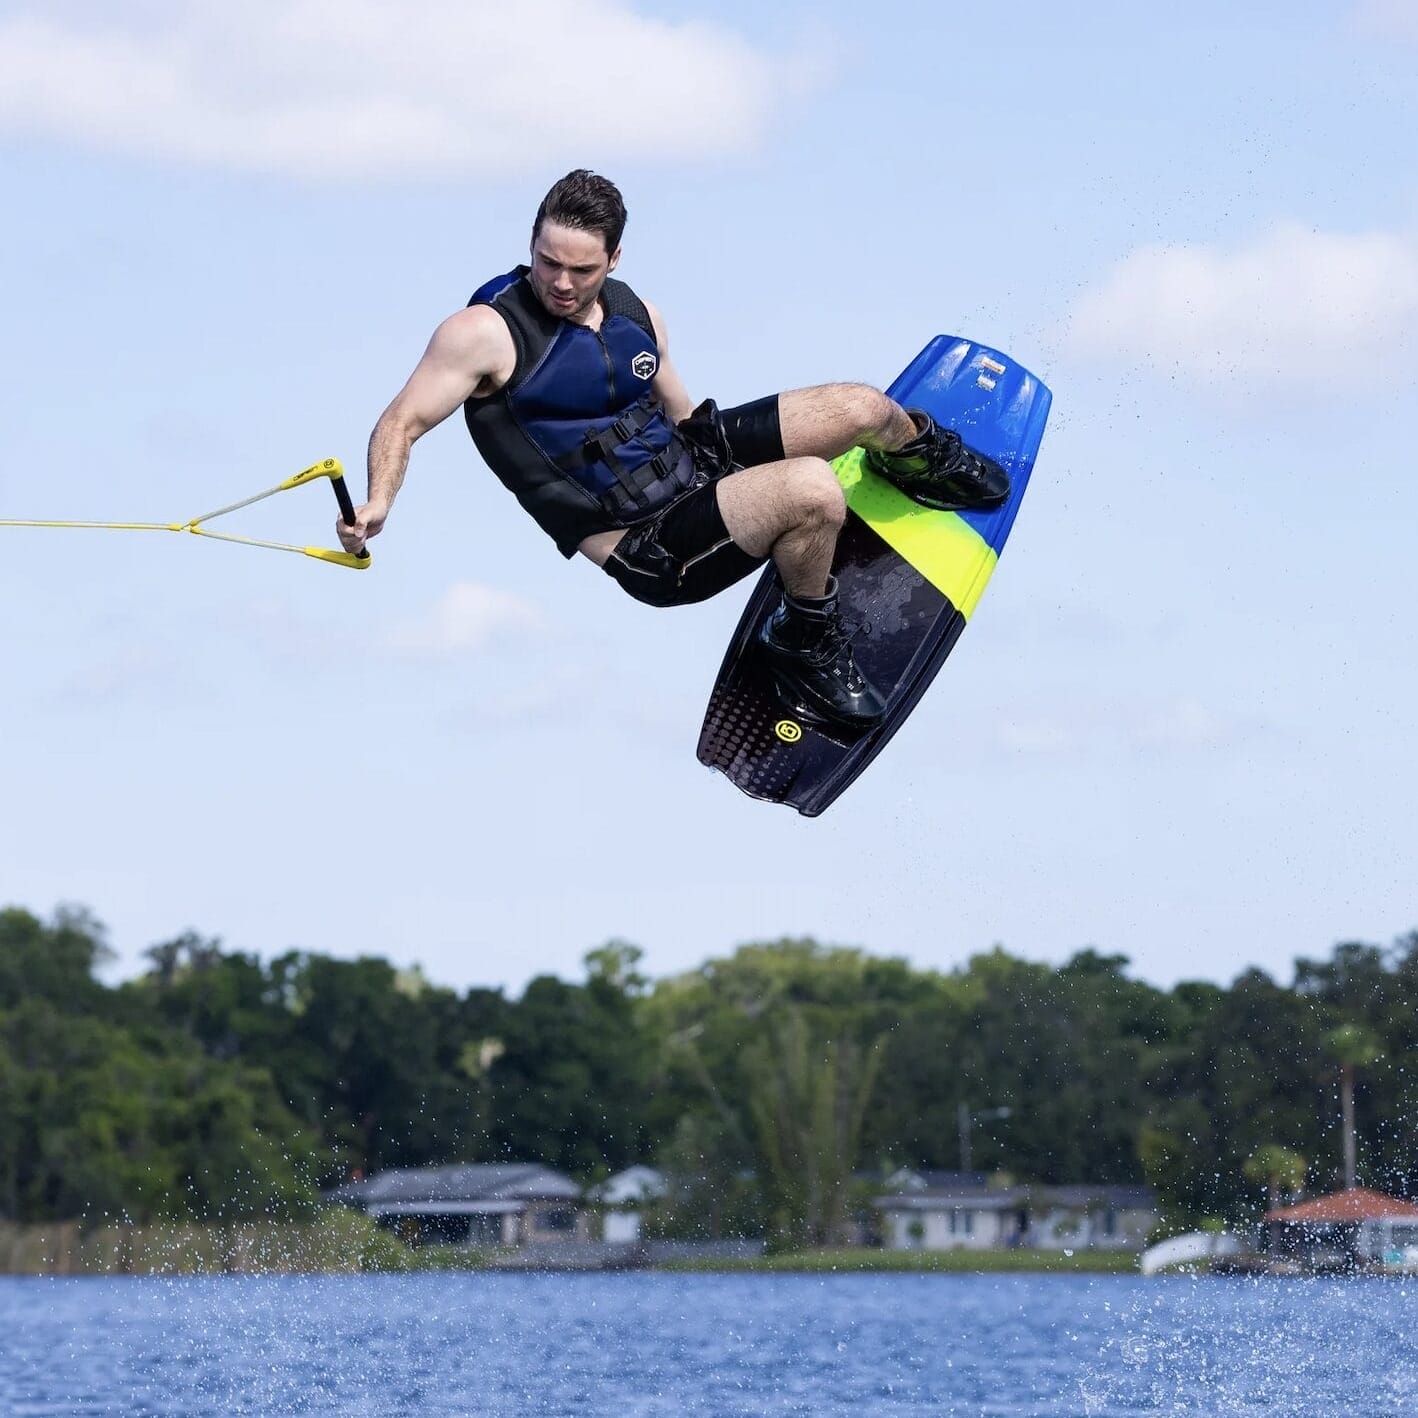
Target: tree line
[{"x": 772, "y": 1084}]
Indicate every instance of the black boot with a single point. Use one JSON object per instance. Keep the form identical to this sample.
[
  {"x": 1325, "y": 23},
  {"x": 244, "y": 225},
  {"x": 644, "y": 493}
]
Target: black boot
[
  {"x": 809, "y": 651},
  {"x": 938, "y": 470}
]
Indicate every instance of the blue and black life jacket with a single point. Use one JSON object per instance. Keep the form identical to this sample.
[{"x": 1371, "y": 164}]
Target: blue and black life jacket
[{"x": 576, "y": 432}]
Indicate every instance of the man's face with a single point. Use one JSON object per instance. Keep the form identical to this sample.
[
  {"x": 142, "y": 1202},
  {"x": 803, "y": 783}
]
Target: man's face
[{"x": 569, "y": 267}]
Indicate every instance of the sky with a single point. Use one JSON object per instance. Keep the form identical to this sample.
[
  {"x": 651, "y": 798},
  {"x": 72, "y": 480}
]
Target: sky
[{"x": 1178, "y": 727}]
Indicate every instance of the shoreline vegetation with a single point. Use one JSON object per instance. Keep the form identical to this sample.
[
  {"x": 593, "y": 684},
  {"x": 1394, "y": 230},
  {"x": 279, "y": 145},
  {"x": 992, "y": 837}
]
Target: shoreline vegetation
[
  {"x": 776, "y": 1088},
  {"x": 345, "y": 1243}
]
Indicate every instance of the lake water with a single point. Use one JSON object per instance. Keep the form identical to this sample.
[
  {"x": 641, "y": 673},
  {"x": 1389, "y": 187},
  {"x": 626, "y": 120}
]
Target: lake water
[{"x": 711, "y": 1346}]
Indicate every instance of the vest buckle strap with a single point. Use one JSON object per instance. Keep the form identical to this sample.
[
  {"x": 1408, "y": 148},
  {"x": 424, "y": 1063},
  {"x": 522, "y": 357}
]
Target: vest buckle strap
[
  {"x": 607, "y": 445},
  {"x": 666, "y": 461}
]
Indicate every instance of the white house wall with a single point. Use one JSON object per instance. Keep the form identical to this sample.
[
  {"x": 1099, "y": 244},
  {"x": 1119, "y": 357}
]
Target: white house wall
[
  {"x": 1065, "y": 1228},
  {"x": 972, "y": 1230},
  {"x": 930, "y": 1228},
  {"x": 621, "y": 1227}
]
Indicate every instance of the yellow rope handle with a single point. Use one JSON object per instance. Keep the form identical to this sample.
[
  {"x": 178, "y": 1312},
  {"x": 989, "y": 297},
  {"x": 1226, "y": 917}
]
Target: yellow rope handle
[
  {"x": 338, "y": 558},
  {"x": 328, "y": 468},
  {"x": 331, "y": 468}
]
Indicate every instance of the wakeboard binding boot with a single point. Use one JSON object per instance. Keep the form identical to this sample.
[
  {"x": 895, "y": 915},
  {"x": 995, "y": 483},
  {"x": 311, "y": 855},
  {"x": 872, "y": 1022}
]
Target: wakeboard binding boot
[
  {"x": 938, "y": 469},
  {"x": 809, "y": 652}
]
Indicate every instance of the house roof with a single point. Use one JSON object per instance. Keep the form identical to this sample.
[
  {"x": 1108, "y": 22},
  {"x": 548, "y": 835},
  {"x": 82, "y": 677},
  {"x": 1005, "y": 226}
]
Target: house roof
[
  {"x": 1354, "y": 1204},
  {"x": 932, "y": 1179},
  {"x": 1119, "y": 1196},
  {"x": 468, "y": 1182},
  {"x": 969, "y": 1198},
  {"x": 1000, "y": 1200}
]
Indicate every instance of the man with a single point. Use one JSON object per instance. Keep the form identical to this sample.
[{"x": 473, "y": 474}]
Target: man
[{"x": 566, "y": 383}]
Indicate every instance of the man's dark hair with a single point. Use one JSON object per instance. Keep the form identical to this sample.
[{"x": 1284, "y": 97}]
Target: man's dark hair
[{"x": 584, "y": 201}]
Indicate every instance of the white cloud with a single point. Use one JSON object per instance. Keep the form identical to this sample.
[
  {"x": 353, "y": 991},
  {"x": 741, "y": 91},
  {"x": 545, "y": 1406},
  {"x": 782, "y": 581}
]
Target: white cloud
[
  {"x": 279, "y": 629},
  {"x": 1074, "y": 729},
  {"x": 1389, "y": 19},
  {"x": 138, "y": 671},
  {"x": 1294, "y": 305},
  {"x": 344, "y": 88},
  {"x": 1037, "y": 734},
  {"x": 466, "y": 617},
  {"x": 519, "y": 704},
  {"x": 1185, "y": 724}
]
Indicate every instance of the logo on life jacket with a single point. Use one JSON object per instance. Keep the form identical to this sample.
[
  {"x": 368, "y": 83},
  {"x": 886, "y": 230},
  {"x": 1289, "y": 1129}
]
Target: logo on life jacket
[{"x": 644, "y": 364}]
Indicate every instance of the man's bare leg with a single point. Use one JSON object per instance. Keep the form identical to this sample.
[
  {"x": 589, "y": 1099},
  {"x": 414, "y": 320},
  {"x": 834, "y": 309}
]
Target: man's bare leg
[
  {"x": 928, "y": 463},
  {"x": 791, "y": 511},
  {"x": 828, "y": 419}
]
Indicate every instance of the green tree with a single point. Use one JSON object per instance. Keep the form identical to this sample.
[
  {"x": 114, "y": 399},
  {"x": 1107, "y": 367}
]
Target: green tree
[
  {"x": 220, "y": 1083},
  {"x": 54, "y": 962},
  {"x": 1245, "y": 1056},
  {"x": 570, "y": 1084},
  {"x": 1352, "y": 1047},
  {"x": 807, "y": 1097},
  {"x": 1277, "y": 1169},
  {"x": 109, "y": 1121},
  {"x": 711, "y": 1190}
]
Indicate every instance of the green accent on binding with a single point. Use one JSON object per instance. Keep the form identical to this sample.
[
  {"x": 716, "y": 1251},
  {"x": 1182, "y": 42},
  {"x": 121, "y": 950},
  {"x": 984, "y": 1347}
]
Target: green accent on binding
[{"x": 942, "y": 546}]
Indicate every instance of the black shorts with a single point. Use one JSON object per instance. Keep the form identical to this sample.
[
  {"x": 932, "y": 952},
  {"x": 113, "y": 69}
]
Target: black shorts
[{"x": 684, "y": 553}]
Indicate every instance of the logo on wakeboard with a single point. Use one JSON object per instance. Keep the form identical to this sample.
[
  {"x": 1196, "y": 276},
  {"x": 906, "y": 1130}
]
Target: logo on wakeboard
[
  {"x": 644, "y": 364},
  {"x": 789, "y": 730}
]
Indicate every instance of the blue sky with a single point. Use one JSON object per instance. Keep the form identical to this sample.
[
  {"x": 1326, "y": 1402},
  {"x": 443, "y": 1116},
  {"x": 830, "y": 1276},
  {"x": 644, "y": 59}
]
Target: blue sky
[{"x": 1179, "y": 726}]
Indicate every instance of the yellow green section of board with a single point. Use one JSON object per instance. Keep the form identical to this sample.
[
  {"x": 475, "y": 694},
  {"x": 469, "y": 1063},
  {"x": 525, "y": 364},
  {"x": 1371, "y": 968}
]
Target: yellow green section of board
[{"x": 942, "y": 546}]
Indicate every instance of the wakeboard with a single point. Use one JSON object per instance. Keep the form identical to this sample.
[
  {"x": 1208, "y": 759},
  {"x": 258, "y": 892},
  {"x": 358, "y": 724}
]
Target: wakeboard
[{"x": 909, "y": 576}]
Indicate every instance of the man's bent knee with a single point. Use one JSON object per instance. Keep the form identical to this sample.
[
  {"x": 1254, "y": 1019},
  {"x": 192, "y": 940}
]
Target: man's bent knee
[
  {"x": 768, "y": 502},
  {"x": 867, "y": 408},
  {"x": 814, "y": 492}
]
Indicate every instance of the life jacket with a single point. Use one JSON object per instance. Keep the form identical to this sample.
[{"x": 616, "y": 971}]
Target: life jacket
[{"x": 576, "y": 433}]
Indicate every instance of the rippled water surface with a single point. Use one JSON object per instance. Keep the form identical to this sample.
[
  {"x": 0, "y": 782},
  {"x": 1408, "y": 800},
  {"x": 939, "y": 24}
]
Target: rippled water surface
[{"x": 711, "y": 1345}]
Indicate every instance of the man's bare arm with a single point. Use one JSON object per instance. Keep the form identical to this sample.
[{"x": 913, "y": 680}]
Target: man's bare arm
[
  {"x": 668, "y": 386},
  {"x": 469, "y": 349}
]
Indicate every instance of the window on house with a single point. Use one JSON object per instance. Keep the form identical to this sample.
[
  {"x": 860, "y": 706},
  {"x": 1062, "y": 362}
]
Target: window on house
[{"x": 485, "y": 1229}]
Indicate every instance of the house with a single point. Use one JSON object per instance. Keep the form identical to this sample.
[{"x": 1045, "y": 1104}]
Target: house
[
  {"x": 948, "y": 1211},
  {"x": 963, "y": 1211},
  {"x": 472, "y": 1204},
  {"x": 1349, "y": 1229},
  {"x": 1090, "y": 1218},
  {"x": 622, "y": 1198}
]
